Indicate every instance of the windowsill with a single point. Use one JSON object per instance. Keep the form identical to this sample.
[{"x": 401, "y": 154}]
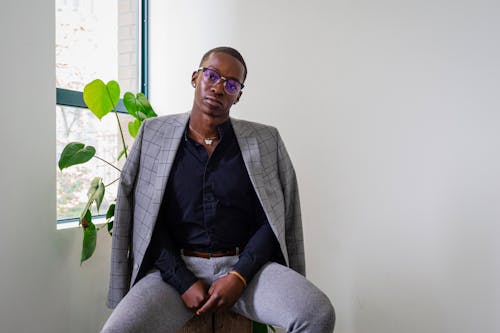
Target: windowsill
[{"x": 98, "y": 220}]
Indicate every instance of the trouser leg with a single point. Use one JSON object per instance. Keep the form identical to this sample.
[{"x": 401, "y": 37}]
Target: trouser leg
[
  {"x": 150, "y": 306},
  {"x": 280, "y": 296},
  {"x": 154, "y": 306},
  {"x": 276, "y": 295}
]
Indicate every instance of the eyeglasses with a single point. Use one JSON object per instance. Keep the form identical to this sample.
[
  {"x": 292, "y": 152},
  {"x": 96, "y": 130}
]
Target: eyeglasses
[{"x": 211, "y": 76}]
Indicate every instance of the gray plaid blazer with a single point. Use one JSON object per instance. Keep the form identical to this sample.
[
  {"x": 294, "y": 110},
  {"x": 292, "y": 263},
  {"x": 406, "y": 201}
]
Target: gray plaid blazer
[{"x": 144, "y": 178}]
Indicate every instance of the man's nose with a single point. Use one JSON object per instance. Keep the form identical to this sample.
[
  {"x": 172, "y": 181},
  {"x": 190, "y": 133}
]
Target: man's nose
[{"x": 218, "y": 88}]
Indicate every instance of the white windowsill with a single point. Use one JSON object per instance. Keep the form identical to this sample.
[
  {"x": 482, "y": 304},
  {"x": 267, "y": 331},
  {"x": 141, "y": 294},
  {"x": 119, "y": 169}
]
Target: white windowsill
[{"x": 75, "y": 224}]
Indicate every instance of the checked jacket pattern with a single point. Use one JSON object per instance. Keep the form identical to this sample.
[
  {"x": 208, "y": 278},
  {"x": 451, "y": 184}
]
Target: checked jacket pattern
[{"x": 144, "y": 179}]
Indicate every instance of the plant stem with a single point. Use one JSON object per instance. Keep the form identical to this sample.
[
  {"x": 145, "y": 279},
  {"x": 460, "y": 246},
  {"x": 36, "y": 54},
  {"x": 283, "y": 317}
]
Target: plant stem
[
  {"x": 121, "y": 133},
  {"x": 114, "y": 181},
  {"x": 107, "y": 162},
  {"x": 119, "y": 126}
]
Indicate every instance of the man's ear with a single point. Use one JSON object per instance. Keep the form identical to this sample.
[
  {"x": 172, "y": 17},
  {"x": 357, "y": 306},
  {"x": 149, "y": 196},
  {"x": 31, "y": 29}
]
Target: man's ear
[
  {"x": 238, "y": 98},
  {"x": 194, "y": 76}
]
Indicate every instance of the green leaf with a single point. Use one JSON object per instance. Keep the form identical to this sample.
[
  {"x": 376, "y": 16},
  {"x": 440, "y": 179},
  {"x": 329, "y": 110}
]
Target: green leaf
[
  {"x": 101, "y": 98},
  {"x": 95, "y": 192},
  {"x": 141, "y": 116},
  {"x": 272, "y": 328},
  {"x": 138, "y": 106},
  {"x": 109, "y": 215},
  {"x": 111, "y": 211},
  {"x": 114, "y": 91},
  {"x": 259, "y": 328},
  {"x": 131, "y": 103},
  {"x": 133, "y": 127},
  {"x": 75, "y": 153},
  {"x": 148, "y": 109},
  {"x": 85, "y": 218},
  {"x": 89, "y": 237},
  {"x": 110, "y": 227}
]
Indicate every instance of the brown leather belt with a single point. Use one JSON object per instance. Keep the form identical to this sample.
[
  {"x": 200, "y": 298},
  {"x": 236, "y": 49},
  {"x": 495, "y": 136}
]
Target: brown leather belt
[{"x": 208, "y": 255}]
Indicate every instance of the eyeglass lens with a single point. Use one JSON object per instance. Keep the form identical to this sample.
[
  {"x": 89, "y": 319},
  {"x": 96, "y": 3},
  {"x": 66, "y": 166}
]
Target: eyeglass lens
[{"x": 213, "y": 77}]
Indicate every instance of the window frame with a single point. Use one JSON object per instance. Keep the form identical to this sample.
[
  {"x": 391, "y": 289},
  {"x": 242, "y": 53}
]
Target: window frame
[{"x": 74, "y": 98}]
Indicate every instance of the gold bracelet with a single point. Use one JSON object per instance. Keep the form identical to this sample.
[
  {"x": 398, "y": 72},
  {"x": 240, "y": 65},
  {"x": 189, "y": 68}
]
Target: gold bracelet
[{"x": 239, "y": 276}]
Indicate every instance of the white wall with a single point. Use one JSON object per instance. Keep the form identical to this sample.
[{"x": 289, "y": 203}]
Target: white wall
[
  {"x": 390, "y": 111},
  {"x": 393, "y": 128},
  {"x": 42, "y": 287}
]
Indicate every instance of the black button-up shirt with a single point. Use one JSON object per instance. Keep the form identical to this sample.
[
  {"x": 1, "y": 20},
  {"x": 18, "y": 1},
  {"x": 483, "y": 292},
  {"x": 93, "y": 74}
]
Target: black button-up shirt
[{"x": 210, "y": 205}]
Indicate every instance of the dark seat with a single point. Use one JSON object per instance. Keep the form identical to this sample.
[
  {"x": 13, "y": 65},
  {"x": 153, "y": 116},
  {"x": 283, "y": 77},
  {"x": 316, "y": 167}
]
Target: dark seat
[{"x": 223, "y": 322}]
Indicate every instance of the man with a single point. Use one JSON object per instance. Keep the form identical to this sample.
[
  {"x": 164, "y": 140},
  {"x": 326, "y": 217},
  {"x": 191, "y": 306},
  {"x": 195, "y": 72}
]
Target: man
[{"x": 208, "y": 218}]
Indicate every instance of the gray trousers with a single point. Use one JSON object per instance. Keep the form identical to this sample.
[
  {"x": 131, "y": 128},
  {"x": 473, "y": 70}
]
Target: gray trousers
[{"x": 276, "y": 295}]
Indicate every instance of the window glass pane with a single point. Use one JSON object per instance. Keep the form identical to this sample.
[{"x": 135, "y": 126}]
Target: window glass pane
[
  {"x": 80, "y": 125},
  {"x": 97, "y": 39}
]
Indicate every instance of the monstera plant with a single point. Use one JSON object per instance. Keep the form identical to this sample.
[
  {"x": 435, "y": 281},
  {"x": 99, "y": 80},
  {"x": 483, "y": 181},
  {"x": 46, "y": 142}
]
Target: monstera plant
[{"x": 102, "y": 99}]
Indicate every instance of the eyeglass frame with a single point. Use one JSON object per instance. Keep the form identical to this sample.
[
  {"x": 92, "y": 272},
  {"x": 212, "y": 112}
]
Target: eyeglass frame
[{"x": 222, "y": 78}]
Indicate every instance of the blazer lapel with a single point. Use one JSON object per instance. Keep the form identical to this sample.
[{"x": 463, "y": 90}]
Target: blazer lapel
[
  {"x": 172, "y": 136},
  {"x": 251, "y": 156},
  {"x": 172, "y": 130}
]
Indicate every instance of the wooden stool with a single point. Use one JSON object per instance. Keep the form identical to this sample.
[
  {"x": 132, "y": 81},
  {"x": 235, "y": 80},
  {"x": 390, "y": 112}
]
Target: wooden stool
[{"x": 223, "y": 322}]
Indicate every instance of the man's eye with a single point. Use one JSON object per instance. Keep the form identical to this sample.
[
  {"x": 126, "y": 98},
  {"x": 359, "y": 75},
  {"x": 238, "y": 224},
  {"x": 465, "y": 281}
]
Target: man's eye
[{"x": 212, "y": 77}]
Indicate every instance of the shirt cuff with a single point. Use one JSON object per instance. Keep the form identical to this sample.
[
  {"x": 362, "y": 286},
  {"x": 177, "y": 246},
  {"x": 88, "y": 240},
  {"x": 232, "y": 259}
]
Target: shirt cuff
[
  {"x": 246, "y": 268},
  {"x": 179, "y": 277}
]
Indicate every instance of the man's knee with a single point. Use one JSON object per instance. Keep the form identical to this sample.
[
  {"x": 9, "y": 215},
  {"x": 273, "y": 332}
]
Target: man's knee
[
  {"x": 320, "y": 316},
  {"x": 114, "y": 327},
  {"x": 326, "y": 316}
]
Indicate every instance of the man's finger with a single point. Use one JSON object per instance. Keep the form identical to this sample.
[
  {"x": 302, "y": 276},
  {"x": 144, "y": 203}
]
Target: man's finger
[{"x": 209, "y": 305}]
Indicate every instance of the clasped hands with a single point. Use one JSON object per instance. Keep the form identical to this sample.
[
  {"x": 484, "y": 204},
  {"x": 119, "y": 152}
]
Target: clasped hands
[{"x": 222, "y": 294}]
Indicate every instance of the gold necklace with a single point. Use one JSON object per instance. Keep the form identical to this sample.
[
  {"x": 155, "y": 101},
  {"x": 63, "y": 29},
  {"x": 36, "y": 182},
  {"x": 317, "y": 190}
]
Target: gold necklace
[{"x": 208, "y": 141}]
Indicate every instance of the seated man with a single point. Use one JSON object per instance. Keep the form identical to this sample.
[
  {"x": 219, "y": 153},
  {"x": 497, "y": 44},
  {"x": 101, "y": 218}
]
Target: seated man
[{"x": 208, "y": 218}]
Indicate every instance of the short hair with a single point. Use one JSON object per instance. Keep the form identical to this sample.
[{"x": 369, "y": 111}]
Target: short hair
[{"x": 230, "y": 51}]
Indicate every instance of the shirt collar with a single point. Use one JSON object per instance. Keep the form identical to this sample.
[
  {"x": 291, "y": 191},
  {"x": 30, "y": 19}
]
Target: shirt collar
[{"x": 222, "y": 129}]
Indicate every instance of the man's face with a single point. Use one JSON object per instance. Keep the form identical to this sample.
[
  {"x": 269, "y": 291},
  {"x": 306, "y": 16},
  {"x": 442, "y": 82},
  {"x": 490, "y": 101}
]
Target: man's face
[{"x": 211, "y": 99}]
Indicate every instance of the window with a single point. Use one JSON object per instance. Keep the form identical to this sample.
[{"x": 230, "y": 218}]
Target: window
[{"x": 104, "y": 39}]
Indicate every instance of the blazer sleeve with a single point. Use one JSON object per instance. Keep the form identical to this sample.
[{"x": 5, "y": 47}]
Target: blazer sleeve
[
  {"x": 293, "y": 221},
  {"x": 122, "y": 226}
]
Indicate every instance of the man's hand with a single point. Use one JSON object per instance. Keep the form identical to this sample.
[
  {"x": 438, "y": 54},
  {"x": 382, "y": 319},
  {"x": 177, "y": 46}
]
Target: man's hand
[
  {"x": 195, "y": 296},
  {"x": 224, "y": 292}
]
